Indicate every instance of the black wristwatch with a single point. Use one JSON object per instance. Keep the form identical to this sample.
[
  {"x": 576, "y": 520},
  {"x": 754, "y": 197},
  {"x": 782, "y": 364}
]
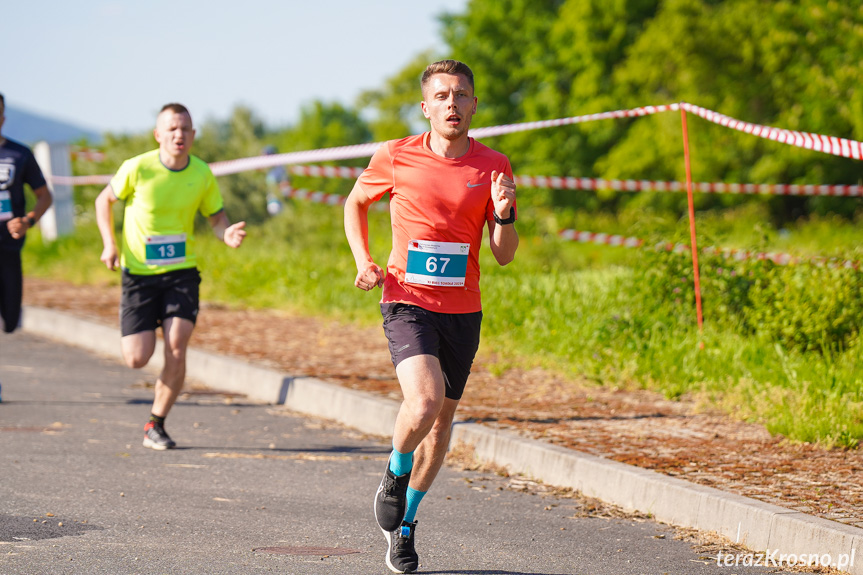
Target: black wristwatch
[
  {"x": 30, "y": 221},
  {"x": 509, "y": 220}
]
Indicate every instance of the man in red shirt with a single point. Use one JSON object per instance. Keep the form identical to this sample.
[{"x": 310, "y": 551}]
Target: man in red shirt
[{"x": 444, "y": 188}]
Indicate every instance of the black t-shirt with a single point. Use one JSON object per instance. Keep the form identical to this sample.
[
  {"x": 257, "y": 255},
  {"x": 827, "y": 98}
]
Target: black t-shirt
[{"x": 17, "y": 167}]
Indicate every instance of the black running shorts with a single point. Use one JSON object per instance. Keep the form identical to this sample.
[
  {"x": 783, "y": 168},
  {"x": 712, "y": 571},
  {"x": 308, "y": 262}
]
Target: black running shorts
[
  {"x": 149, "y": 300},
  {"x": 453, "y": 338}
]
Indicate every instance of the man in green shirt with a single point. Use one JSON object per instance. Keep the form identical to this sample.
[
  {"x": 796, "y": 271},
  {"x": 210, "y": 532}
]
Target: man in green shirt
[{"x": 162, "y": 190}]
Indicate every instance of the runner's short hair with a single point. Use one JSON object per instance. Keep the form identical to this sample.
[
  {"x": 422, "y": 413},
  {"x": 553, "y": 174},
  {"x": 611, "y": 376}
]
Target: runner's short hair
[
  {"x": 2, "y": 101},
  {"x": 176, "y": 108},
  {"x": 446, "y": 67}
]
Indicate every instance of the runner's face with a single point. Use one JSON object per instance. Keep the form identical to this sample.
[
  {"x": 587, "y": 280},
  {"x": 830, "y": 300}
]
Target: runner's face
[
  {"x": 449, "y": 105},
  {"x": 174, "y": 133}
]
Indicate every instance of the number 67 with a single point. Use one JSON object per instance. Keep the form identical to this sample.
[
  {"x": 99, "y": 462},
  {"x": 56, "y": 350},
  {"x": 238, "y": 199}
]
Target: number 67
[{"x": 431, "y": 264}]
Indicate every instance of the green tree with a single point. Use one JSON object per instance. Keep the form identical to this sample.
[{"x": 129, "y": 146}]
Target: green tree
[
  {"x": 555, "y": 61},
  {"x": 238, "y": 137},
  {"x": 117, "y": 148},
  {"x": 394, "y": 110},
  {"x": 789, "y": 63},
  {"x": 323, "y": 125}
]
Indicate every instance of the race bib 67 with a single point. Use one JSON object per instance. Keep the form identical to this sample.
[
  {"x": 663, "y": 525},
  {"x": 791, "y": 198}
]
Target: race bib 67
[{"x": 442, "y": 264}]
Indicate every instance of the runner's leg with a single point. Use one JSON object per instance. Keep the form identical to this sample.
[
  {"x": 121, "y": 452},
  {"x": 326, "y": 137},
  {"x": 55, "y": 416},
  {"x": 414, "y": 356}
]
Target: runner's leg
[
  {"x": 430, "y": 453},
  {"x": 138, "y": 348},
  {"x": 423, "y": 388},
  {"x": 11, "y": 289},
  {"x": 177, "y": 332}
]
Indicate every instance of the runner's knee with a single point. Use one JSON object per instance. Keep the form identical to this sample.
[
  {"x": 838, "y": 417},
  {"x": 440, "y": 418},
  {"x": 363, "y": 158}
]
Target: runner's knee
[
  {"x": 424, "y": 410},
  {"x": 175, "y": 355},
  {"x": 136, "y": 359}
]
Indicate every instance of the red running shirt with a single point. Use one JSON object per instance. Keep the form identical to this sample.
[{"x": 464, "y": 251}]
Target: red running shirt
[{"x": 434, "y": 200}]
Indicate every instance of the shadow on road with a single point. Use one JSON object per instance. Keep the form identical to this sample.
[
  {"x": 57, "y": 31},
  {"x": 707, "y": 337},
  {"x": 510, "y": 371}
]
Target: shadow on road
[{"x": 14, "y": 529}]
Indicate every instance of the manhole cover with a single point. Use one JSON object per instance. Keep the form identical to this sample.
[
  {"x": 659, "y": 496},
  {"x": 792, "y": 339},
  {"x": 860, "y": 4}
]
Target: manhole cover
[{"x": 320, "y": 551}]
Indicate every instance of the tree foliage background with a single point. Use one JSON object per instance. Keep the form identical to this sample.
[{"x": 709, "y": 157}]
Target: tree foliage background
[{"x": 793, "y": 64}]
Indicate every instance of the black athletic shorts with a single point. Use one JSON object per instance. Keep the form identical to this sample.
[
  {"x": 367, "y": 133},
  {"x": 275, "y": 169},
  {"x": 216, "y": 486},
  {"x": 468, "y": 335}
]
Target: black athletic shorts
[
  {"x": 149, "y": 300},
  {"x": 453, "y": 338}
]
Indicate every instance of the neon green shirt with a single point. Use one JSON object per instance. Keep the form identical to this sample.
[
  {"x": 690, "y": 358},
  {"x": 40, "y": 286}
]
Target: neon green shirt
[{"x": 159, "y": 218}]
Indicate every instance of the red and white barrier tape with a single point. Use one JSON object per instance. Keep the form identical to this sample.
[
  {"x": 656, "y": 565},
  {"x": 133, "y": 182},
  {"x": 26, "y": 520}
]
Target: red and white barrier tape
[
  {"x": 601, "y": 239},
  {"x": 739, "y": 255},
  {"x": 319, "y": 197},
  {"x": 366, "y": 150},
  {"x": 314, "y": 196},
  {"x": 88, "y": 155},
  {"x": 322, "y": 171},
  {"x": 525, "y": 126},
  {"x": 826, "y": 144},
  {"x": 780, "y": 258},
  {"x": 572, "y": 183},
  {"x": 81, "y": 180},
  {"x": 346, "y": 172},
  {"x": 273, "y": 160}
]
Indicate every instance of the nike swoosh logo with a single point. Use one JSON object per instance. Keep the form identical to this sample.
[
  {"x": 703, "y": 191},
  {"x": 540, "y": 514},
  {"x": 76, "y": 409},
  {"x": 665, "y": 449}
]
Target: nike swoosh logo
[{"x": 473, "y": 185}]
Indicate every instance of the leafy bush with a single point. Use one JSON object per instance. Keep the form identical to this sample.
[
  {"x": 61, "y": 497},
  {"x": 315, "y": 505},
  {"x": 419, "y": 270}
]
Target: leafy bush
[
  {"x": 803, "y": 306},
  {"x": 806, "y": 307}
]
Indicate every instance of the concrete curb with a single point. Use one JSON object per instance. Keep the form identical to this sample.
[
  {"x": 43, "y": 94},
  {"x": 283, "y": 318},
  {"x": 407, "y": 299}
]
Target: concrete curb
[
  {"x": 760, "y": 526},
  {"x": 757, "y": 525}
]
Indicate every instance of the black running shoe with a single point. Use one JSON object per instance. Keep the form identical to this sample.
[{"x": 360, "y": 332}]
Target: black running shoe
[
  {"x": 391, "y": 499},
  {"x": 401, "y": 554},
  {"x": 156, "y": 438}
]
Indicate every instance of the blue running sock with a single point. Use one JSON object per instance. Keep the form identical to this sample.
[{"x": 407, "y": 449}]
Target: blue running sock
[
  {"x": 401, "y": 463},
  {"x": 413, "y": 498}
]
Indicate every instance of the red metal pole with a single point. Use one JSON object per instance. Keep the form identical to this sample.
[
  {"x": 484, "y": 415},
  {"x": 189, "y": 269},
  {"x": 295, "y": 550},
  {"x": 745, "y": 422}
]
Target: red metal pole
[{"x": 692, "y": 224}]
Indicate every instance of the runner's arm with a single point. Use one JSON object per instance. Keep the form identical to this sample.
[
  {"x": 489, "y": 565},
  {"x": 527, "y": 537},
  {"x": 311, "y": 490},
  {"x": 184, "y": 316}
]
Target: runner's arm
[
  {"x": 369, "y": 274},
  {"x": 232, "y": 235},
  {"x": 18, "y": 227},
  {"x": 503, "y": 238},
  {"x": 105, "y": 220}
]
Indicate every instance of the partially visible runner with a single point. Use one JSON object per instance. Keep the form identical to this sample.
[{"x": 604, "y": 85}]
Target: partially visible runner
[
  {"x": 278, "y": 185},
  {"x": 444, "y": 187},
  {"x": 17, "y": 167},
  {"x": 162, "y": 190}
]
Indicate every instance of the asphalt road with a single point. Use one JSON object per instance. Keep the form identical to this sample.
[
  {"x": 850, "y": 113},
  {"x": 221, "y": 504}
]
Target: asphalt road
[{"x": 256, "y": 489}]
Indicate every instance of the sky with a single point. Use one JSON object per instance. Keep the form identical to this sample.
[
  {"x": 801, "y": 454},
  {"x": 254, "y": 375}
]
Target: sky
[{"x": 110, "y": 65}]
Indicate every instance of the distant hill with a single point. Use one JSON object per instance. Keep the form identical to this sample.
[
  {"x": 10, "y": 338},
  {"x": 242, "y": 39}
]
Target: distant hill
[{"x": 29, "y": 128}]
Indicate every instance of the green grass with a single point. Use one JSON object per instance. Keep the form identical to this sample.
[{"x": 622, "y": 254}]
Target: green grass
[
  {"x": 74, "y": 259},
  {"x": 580, "y": 310}
]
